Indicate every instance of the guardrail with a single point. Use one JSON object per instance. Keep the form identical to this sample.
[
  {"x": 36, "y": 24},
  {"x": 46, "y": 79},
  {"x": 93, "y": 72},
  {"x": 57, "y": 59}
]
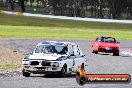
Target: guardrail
[{"x": 68, "y": 18}]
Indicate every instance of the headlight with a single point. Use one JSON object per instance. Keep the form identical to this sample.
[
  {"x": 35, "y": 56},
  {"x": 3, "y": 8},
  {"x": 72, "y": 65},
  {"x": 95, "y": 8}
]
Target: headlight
[
  {"x": 54, "y": 64},
  {"x": 25, "y": 61}
]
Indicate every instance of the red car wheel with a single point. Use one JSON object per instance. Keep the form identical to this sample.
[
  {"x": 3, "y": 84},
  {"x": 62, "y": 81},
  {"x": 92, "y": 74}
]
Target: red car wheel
[{"x": 115, "y": 54}]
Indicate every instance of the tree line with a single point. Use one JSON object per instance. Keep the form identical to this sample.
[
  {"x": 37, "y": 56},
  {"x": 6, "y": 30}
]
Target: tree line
[{"x": 115, "y": 9}]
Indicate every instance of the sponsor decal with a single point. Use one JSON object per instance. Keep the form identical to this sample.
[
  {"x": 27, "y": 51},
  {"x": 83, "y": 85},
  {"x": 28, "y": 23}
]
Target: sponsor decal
[{"x": 83, "y": 78}]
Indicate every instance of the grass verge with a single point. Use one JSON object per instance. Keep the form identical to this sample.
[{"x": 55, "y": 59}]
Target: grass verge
[
  {"x": 32, "y": 27},
  {"x": 8, "y": 67}
]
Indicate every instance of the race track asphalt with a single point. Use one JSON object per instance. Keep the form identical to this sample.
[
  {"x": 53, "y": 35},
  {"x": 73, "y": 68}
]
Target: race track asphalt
[{"x": 97, "y": 64}]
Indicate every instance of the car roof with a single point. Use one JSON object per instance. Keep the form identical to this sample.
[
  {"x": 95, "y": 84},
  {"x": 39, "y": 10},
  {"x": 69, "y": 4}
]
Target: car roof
[
  {"x": 55, "y": 43},
  {"x": 105, "y": 37}
]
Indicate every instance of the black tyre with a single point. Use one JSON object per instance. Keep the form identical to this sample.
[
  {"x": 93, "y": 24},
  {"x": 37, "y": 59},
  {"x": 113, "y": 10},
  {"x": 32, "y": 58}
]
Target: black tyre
[
  {"x": 49, "y": 75},
  {"x": 26, "y": 74},
  {"x": 63, "y": 71},
  {"x": 77, "y": 77},
  {"x": 93, "y": 51},
  {"x": 81, "y": 80},
  {"x": 96, "y": 52},
  {"x": 115, "y": 54}
]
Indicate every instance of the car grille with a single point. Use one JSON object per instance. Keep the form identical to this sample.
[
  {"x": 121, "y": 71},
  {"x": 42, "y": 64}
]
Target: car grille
[
  {"x": 111, "y": 50},
  {"x": 34, "y": 63},
  {"x": 46, "y": 63}
]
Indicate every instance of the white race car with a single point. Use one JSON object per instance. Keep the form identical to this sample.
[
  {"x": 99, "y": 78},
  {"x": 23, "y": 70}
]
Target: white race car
[{"x": 53, "y": 57}]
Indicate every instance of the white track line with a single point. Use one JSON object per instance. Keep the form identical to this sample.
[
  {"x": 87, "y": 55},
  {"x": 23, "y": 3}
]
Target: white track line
[{"x": 127, "y": 52}]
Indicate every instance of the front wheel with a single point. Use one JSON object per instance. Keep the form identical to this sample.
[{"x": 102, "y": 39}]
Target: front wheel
[
  {"x": 92, "y": 51},
  {"x": 115, "y": 54},
  {"x": 26, "y": 74},
  {"x": 63, "y": 71},
  {"x": 96, "y": 52}
]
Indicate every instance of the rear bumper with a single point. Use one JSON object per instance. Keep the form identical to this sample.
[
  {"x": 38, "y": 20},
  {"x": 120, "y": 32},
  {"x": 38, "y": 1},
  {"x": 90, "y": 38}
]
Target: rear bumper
[{"x": 39, "y": 70}]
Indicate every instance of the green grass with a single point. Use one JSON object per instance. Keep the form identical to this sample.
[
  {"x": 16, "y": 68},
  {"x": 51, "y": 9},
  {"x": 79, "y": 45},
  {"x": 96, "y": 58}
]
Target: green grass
[
  {"x": 31, "y": 27},
  {"x": 7, "y": 67}
]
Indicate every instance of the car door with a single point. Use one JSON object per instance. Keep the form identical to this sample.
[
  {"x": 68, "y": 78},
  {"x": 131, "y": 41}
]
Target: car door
[
  {"x": 70, "y": 59},
  {"x": 79, "y": 58}
]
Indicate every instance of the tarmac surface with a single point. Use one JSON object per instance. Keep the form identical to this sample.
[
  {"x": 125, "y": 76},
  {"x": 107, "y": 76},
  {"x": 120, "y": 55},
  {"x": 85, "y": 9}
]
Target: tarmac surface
[{"x": 97, "y": 64}]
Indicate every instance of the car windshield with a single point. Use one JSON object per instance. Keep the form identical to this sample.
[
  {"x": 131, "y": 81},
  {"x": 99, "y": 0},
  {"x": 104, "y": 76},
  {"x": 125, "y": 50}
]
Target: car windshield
[
  {"x": 47, "y": 49},
  {"x": 107, "y": 39}
]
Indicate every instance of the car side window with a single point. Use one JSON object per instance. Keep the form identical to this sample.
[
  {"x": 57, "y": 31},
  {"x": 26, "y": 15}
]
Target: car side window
[
  {"x": 76, "y": 50},
  {"x": 99, "y": 39},
  {"x": 70, "y": 50}
]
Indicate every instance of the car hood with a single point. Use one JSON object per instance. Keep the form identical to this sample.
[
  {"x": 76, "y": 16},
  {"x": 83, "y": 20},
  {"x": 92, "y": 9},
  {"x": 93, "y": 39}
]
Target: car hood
[
  {"x": 40, "y": 56},
  {"x": 106, "y": 44}
]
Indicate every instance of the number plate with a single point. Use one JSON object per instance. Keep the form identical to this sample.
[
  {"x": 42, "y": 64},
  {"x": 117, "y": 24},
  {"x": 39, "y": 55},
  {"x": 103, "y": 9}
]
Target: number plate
[
  {"x": 54, "y": 68},
  {"x": 108, "y": 48}
]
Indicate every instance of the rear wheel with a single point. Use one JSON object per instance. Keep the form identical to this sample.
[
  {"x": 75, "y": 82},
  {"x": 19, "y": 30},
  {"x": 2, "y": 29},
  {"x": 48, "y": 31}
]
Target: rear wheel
[{"x": 26, "y": 74}]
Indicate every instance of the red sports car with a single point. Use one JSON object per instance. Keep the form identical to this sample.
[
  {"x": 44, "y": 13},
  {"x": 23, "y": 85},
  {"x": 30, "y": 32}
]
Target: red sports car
[{"x": 106, "y": 44}]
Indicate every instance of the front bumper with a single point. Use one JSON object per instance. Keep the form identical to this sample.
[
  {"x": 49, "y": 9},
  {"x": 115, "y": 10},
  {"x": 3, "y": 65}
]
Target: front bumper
[
  {"x": 39, "y": 70},
  {"x": 108, "y": 50}
]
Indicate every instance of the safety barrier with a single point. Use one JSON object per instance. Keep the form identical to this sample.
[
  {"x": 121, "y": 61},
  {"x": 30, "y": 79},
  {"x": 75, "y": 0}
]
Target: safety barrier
[{"x": 68, "y": 18}]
